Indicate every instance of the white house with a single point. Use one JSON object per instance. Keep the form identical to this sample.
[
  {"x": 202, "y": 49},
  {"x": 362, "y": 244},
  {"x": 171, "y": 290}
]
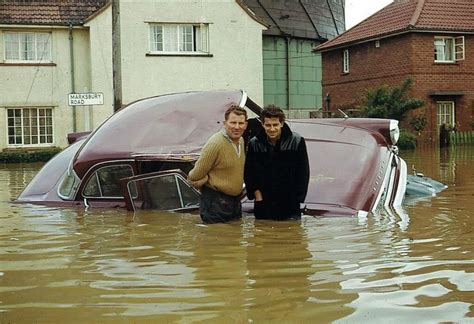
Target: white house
[{"x": 50, "y": 49}]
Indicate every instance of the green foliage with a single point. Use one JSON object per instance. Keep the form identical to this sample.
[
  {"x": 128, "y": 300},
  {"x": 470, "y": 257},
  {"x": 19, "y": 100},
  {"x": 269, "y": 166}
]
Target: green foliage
[
  {"x": 26, "y": 156},
  {"x": 418, "y": 123},
  {"x": 393, "y": 103},
  {"x": 407, "y": 140}
]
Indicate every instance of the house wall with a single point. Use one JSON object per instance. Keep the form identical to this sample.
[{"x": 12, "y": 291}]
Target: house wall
[
  {"x": 430, "y": 76},
  {"x": 369, "y": 67},
  {"x": 397, "y": 58},
  {"x": 235, "y": 45},
  {"x": 235, "y": 63},
  {"x": 302, "y": 93},
  {"x": 45, "y": 85},
  {"x": 100, "y": 52}
]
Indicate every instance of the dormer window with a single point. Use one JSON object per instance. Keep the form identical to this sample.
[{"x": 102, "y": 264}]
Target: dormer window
[
  {"x": 345, "y": 61},
  {"x": 449, "y": 49}
]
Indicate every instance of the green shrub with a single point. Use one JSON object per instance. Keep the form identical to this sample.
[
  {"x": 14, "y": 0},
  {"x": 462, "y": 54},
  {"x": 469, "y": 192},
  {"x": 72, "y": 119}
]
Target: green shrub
[
  {"x": 407, "y": 140},
  {"x": 23, "y": 156}
]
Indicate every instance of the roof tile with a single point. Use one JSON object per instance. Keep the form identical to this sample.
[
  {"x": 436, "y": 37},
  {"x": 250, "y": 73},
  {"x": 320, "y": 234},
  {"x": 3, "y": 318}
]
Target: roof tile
[
  {"x": 48, "y": 12},
  {"x": 402, "y": 15}
]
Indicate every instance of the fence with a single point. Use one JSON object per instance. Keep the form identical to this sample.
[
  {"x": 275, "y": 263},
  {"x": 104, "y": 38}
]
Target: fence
[{"x": 460, "y": 138}]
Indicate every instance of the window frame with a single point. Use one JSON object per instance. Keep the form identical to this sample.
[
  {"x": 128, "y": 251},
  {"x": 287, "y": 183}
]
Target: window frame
[
  {"x": 94, "y": 176},
  {"x": 36, "y": 52},
  {"x": 179, "y": 178},
  {"x": 199, "y": 32},
  {"x": 451, "y": 114},
  {"x": 456, "y": 50},
  {"x": 345, "y": 61},
  {"x": 38, "y": 126}
]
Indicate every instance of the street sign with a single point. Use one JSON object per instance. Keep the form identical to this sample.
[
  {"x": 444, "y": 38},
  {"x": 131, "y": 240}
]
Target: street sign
[{"x": 86, "y": 99}]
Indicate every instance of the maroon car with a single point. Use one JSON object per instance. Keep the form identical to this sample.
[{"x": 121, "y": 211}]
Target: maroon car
[{"x": 139, "y": 158}]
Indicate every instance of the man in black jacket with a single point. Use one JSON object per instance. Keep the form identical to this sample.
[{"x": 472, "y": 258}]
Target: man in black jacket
[{"x": 276, "y": 168}]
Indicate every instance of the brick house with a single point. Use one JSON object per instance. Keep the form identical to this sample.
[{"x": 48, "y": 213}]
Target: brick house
[{"x": 429, "y": 41}]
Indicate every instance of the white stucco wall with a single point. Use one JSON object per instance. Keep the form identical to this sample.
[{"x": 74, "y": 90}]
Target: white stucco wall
[
  {"x": 100, "y": 28},
  {"x": 235, "y": 44},
  {"x": 45, "y": 85},
  {"x": 236, "y": 62}
]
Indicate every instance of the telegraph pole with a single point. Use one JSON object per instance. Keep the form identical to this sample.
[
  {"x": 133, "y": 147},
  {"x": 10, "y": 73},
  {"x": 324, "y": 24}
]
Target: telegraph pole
[{"x": 116, "y": 55}]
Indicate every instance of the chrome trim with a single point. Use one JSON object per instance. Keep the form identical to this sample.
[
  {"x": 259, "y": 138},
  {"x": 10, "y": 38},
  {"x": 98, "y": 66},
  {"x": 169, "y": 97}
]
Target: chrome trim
[
  {"x": 394, "y": 131},
  {"x": 384, "y": 185},
  {"x": 244, "y": 99},
  {"x": 179, "y": 190},
  {"x": 402, "y": 184},
  {"x": 362, "y": 214}
]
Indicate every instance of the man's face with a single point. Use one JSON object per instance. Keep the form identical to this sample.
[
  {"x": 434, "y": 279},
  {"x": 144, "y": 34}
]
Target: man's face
[
  {"x": 235, "y": 126},
  {"x": 272, "y": 127}
]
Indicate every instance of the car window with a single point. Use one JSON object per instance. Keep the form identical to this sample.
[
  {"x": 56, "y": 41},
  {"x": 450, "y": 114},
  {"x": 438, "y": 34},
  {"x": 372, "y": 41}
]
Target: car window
[
  {"x": 105, "y": 182},
  {"x": 189, "y": 196},
  {"x": 67, "y": 184},
  {"x": 161, "y": 193},
  {"x": 164, "y": 192}
]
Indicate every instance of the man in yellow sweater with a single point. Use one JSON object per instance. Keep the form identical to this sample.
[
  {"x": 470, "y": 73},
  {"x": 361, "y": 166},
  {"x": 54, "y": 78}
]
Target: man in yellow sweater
[{"x": 220, "y": 168}]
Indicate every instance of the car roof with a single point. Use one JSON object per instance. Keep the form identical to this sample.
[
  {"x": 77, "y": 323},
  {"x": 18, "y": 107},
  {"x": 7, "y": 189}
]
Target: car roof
[{"x": 167, "y": 125}]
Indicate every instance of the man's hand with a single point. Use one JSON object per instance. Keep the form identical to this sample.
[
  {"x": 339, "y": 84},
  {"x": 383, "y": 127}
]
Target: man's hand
[
  {"x": 258, "y": 195},
  {"x": 199, "y": 183}
]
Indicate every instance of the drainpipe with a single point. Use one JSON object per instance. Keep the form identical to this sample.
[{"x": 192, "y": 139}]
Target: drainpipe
[
  {"x": 288, "y": 73},
  {"x": 71, "y": 58}
]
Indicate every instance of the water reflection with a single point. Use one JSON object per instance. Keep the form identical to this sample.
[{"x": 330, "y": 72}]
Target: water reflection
[{"x": 414, "y": 264}]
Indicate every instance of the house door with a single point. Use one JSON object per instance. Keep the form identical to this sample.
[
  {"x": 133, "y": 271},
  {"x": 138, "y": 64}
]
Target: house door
[{"x": 445, "y": 120}]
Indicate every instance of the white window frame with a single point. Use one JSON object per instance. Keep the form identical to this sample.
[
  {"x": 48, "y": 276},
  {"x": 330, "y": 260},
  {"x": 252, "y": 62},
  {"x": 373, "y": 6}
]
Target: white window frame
[
  {"x": 38, "y": 47},
  {"x": 449, "y": 49},
  {"x": 445, "y": 113},
  {"x": 22, "y": 127},
  {"x": 181, "y": 39},
  {"x": 345, "y": 61}
]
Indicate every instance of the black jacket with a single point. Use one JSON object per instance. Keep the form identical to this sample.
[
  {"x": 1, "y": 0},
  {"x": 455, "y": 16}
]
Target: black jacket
[{"x": 280, "y": 172}]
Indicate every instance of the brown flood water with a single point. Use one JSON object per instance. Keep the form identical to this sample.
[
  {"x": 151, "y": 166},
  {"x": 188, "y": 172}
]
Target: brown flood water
[{"x": 83, "y": 266}]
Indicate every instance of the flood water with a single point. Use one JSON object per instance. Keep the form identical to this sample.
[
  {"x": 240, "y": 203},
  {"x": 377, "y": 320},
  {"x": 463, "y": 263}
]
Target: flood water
[{"x": 82, "y": 266}]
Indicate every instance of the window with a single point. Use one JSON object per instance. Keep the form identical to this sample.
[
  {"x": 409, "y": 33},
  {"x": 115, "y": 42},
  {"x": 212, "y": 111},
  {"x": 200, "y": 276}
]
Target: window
[
  {"x": 181, "y": 39},
  {"x": 345, "y": 61},
  {"x": 27, "y": 47},
  {"x": 30, "y": 126},
  {"x": 445, "y": 113},
  {"x": 105, "y": 182},
  {"x": 165, "y": 192},
  {"x": 449, "y": 49}
]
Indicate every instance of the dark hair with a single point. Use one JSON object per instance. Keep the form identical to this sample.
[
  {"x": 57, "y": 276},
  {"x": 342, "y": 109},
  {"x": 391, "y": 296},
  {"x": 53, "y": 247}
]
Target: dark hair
[
  {"x": 239, "y": 111},
  {"x": 272, "y": 111}
]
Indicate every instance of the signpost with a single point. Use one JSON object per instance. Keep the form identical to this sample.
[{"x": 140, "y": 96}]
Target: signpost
[{"x": 86, "y": 99}]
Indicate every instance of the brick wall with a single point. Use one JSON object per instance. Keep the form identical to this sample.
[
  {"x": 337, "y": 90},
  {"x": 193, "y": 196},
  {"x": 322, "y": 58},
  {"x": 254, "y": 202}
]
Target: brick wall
[{"x": 399, "y": 57}]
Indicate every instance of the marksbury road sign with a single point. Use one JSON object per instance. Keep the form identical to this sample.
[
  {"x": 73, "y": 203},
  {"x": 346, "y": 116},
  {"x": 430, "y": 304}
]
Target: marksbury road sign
[{"x": 86, "y": 99}]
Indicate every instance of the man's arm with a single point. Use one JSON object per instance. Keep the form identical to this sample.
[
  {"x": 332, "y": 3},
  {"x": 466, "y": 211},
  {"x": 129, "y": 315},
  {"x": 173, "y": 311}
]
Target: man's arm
[
  {"x": 205, "y": 162},
  {"x": 249, "y": 173},
  {"x": 303, "y": 171}
]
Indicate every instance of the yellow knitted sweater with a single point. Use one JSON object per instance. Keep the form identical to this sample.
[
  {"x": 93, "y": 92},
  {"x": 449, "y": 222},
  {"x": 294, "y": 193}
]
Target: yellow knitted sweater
[{"x": 219, "y": 160}]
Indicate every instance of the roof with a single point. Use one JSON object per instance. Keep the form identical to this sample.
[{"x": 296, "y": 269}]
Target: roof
[
  {"x": 199, "y": 114},
  {"x": 304, "y": 19},
  {"x": 409, "y": 16},
  {"x": 315, "y": 19},
  {"x": 48, "y": 12}
]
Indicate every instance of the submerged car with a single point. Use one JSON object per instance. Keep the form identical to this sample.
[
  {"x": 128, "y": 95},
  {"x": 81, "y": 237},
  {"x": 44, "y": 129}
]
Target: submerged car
[{"x": 140, "y": 156}]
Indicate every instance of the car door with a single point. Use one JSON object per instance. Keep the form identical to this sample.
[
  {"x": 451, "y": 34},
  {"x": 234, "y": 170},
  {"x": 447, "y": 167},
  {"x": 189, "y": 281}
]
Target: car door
[{"x": 163, "y": 190}]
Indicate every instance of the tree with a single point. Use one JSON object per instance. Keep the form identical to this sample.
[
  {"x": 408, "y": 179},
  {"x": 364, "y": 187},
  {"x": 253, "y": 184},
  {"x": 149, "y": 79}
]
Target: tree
[{"x": 392, "y": 103}]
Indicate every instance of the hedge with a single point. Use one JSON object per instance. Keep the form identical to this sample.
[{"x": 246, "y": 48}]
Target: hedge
[{"x": 22, "y": 156}]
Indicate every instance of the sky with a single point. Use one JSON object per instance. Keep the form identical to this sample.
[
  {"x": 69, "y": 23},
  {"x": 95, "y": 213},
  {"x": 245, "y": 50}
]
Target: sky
[{"x": 358, "y": 10}]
